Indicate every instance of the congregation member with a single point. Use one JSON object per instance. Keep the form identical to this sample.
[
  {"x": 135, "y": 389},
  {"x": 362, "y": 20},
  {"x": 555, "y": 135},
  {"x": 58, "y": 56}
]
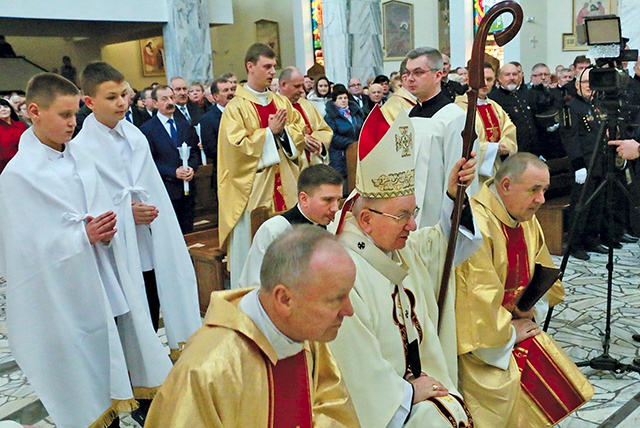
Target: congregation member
[
  {"x": 383, "y": 81},
  {"x": 438, "y": 124},
  {"x": 317, "y": 134},
  {"x": 356, "y": 94},
  {"x": 401, "y": 99},
  {"x": 232, "y": 79},
  {"x": 321, "y": 94},
  {"x": 185, "y": 108},
  {"x": 579, "y": 64},
  {"x": 196, "y": 97},
  {"x": 376, "y": 96},
  {"x": 345, "y": 119},
  {"x": 11, "y": 128},
  {"x": 166, "y": 132},
  {"x": 496, "y": 132},
  {"x": 308, "y": 84},
  {"x": 495, "y": 338},
  {"x": 319, "y": 193},
  {"x": 513, "y": 100},
  {"x": 258, "y": 361},
  {"x": 410, "y": 369},
  {"x": 450, "y": 87},
  {"x": 140, "y": 116},
  {"x": 155, "y": 245},
  {"x": 67, "y": 272},
  {"x": 222, "y": 92},
  {"x": 261, "y": 137}
]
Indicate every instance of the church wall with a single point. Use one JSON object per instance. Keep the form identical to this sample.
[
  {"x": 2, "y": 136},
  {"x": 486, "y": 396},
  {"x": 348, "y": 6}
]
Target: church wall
[
  {"x": 230, "y": 42},
  {"x": 126, "y": 58}
]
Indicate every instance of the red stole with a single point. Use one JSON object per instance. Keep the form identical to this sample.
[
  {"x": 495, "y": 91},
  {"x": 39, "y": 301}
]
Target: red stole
[
  {"x": 517, "y": 266},
  {"x": 278, "y": 195},
  {"x": 490, "y": 122},
  {"x": 291, "y": 398},
  {"x": 308, "y": 129}
]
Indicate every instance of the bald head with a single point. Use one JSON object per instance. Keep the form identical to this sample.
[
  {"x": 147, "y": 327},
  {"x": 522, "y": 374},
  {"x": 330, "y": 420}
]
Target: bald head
[
  {"x": 376, "y": 92},
  {"x": 291, "y": 84}
]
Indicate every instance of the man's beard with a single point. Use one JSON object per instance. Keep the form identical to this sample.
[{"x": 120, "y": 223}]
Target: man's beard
[{"x": 511, "y": 87}]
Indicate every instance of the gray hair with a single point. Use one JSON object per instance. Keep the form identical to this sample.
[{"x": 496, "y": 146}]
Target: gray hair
[
  {"x": 287, "y": 259},
  {"x": 539, "y": 65},
  {"x": 434, "y": 57},
  {"x": 288, "y": 73},
  {"x": 516, "y": 164}
]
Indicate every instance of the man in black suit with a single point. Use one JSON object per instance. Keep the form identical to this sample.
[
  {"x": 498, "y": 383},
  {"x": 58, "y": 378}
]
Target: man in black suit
[
  {"x": 141, "y": 116},
  {"x": 185, "y": 109},
  {"x": 165, "y": 133},
  {"x": 355, "y": 93}
]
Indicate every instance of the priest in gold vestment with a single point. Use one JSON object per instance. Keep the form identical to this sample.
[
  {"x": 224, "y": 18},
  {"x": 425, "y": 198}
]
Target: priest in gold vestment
[
  {"x": 260, "y": 141},
  {"x": 261, "y": 360},
  {"x": 496, "y": 132},
  {"x": 401, "y": 99},
  {"x": 489, "y": 285}
]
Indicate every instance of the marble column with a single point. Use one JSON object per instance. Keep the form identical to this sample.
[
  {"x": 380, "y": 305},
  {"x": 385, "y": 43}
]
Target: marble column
[
  {"x": 352, "y": 39},
  {"x": 187, "y": 40}
]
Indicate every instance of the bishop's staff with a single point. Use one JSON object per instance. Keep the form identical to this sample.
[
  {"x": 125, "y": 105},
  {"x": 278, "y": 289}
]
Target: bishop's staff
[{"x": 476, "y": 81}]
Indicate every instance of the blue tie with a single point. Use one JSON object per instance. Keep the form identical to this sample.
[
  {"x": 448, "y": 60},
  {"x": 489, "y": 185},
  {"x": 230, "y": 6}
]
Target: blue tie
[
  {"x": 128, "y": 116},
  {"x": 174, "y": 131}
]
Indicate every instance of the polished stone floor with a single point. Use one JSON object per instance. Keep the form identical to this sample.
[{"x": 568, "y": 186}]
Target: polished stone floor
[{"x": 578, "y": 324}]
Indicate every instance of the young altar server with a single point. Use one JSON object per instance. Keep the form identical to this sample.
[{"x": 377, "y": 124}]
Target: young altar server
[
  {"x": 155, "y": 245},
  {"x": 67, "y": 277}
]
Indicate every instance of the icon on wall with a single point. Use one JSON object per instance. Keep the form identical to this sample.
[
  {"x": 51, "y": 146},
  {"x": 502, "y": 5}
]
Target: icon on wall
[{"x": 152, "y": 53}]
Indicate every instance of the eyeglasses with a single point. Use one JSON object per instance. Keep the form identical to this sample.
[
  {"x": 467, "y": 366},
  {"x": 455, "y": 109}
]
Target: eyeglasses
[
  {"x": 355, "y": 85},
  {"x": 399, "y": 218},
  {"x": 541, "y": 75},
  {"x": 418, "y": 73}
]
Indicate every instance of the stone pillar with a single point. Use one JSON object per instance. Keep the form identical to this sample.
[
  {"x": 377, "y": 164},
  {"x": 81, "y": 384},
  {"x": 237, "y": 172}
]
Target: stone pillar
[
  {"x": 187, "y": 40},
  {"x": 352, "y": 39}
]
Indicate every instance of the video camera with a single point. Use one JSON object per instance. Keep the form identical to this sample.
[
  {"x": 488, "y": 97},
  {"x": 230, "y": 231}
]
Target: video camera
[{"x": 606, "y": 44}]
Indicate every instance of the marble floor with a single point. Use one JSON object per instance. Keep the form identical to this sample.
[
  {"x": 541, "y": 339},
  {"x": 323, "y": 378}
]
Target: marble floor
[{"x": 578, "y": 324}]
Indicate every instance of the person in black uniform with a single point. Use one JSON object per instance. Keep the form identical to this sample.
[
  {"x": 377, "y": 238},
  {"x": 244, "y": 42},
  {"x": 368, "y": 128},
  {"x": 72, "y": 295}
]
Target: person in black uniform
[{"x": 449, "y": 87}]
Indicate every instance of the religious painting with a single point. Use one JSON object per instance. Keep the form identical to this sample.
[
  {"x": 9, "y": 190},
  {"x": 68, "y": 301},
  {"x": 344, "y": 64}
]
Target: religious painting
[
  {"x": 444, "y": 34},
  {"x": 152, "y": 54},
  {"x": 268, "y": 32},
  {"x": 397, "y": 30},
  {"x": 577, "y": 40}
]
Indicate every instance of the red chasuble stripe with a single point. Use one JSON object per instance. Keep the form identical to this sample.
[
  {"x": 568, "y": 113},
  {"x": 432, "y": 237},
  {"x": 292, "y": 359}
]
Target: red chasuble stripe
[
  {"x": 544, "y": 382},
  {"x": 490, "y": 122},
  {"x": 291, "y": 393},
  {"x": 308, "y": 130},
  {"x": 374, "y": 128},
  {"x": 518, "y": 266},
  {"x": 278, "y": 193}
]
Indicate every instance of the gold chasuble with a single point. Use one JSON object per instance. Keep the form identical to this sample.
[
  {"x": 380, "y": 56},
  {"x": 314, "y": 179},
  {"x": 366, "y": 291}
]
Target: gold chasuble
[
  {"x": 317, "y": 128},
  {"x": 541, "y": 385},
  {"x": 241, "y": 184},
  {"x": 400, "y": 100},
  {"x": 229, "y": 375}
]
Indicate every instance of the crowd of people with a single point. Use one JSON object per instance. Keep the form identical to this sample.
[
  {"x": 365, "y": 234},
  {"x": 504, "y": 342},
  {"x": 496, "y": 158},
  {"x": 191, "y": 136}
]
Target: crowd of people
[{"x": 349, "y": 327}]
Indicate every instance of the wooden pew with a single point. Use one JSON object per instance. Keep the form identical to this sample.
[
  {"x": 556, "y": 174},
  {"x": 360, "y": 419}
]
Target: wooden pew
[
  {"x": 207, "y": 257},
  {"x": 558, "y": 200}
]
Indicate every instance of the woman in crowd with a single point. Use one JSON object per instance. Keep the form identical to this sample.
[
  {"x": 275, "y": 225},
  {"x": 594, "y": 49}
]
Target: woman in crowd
[
  {"x": 320, "y": 94},
  {"x": 345, "y": 119},
  {"x": 10, "y": 131}
]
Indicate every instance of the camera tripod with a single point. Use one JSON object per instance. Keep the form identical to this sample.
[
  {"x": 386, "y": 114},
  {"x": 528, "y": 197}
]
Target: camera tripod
[{"x": 601, "y": 149}]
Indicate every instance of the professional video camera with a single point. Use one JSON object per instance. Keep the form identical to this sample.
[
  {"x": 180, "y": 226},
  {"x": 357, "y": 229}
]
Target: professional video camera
[{"x": 607, "y": 46}]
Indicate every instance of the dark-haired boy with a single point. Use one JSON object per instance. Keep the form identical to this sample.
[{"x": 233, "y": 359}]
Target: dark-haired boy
[
  {"x": 67, "y": 274},
  {"x": 319, "y": 192},
  {"x": 155, "y": 245}
]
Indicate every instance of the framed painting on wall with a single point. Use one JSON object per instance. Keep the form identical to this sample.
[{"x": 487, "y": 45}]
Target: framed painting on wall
[
  {"x": 397, "y": 29},
  {"x": 152, "y": 54},
  {"x": 268, "y": 32},
  {"x": 576, "y": 41}
]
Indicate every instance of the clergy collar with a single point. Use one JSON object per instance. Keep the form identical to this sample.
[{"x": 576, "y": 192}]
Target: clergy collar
[
  {"x": 482, "y": 102},
  {"x": 253, "y": 91},
  {"x": 284, "y": 347},
  {"x": 303, "y": 214}
]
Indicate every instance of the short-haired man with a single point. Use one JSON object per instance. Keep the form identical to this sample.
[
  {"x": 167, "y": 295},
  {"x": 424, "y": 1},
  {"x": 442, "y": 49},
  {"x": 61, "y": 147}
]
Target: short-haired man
[
  {"x": 317, "y": 134},
  {"x": 356, "y": 94},
  {"x": 155, "y": 245},
  {"x": 579, "y": 64},
  {"x": 376, "y": 95},
  {"x": 140, "y": 117},
  {"x": 68, "y": 274},
  {"x": 401, "y": 99},
  {"x": 319, "y": 192},
  {"x": 222, "y": 91},
  {"x": 165, "y": 133},
  {"x": 231, "y": 78},
  {"x": 450, "y": 87},
  {"x": 496, "y": 132},
  {"x": 540, "y": 75},
  {"x": 383, "y": 81},
  {"x": 185, "y": 108},
  {"x": 438, "y": 124},
  {"x": 515, "y": 102},
  {"x": 397, "y": 367},
  {"x": 260, "y": 140},
  {"x": 261, "y": 360},
  {"x": 489, "y": 286}
]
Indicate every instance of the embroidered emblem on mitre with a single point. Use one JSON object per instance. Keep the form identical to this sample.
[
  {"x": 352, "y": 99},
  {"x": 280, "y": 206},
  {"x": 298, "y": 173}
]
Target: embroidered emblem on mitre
[{"x": 385, "y": 157}]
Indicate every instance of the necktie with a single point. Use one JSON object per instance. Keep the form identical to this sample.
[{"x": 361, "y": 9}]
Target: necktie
[
  {"x": 128, "y": 116},
  {"x": 174, "y": 131},
  {"x": 185, "y": 113}
]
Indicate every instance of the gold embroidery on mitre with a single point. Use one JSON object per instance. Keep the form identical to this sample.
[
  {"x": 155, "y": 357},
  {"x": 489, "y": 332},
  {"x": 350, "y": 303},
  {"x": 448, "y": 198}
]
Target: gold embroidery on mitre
[
  {"x": 404, "y": 141},
  {"x": 395, "y": 182}
]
